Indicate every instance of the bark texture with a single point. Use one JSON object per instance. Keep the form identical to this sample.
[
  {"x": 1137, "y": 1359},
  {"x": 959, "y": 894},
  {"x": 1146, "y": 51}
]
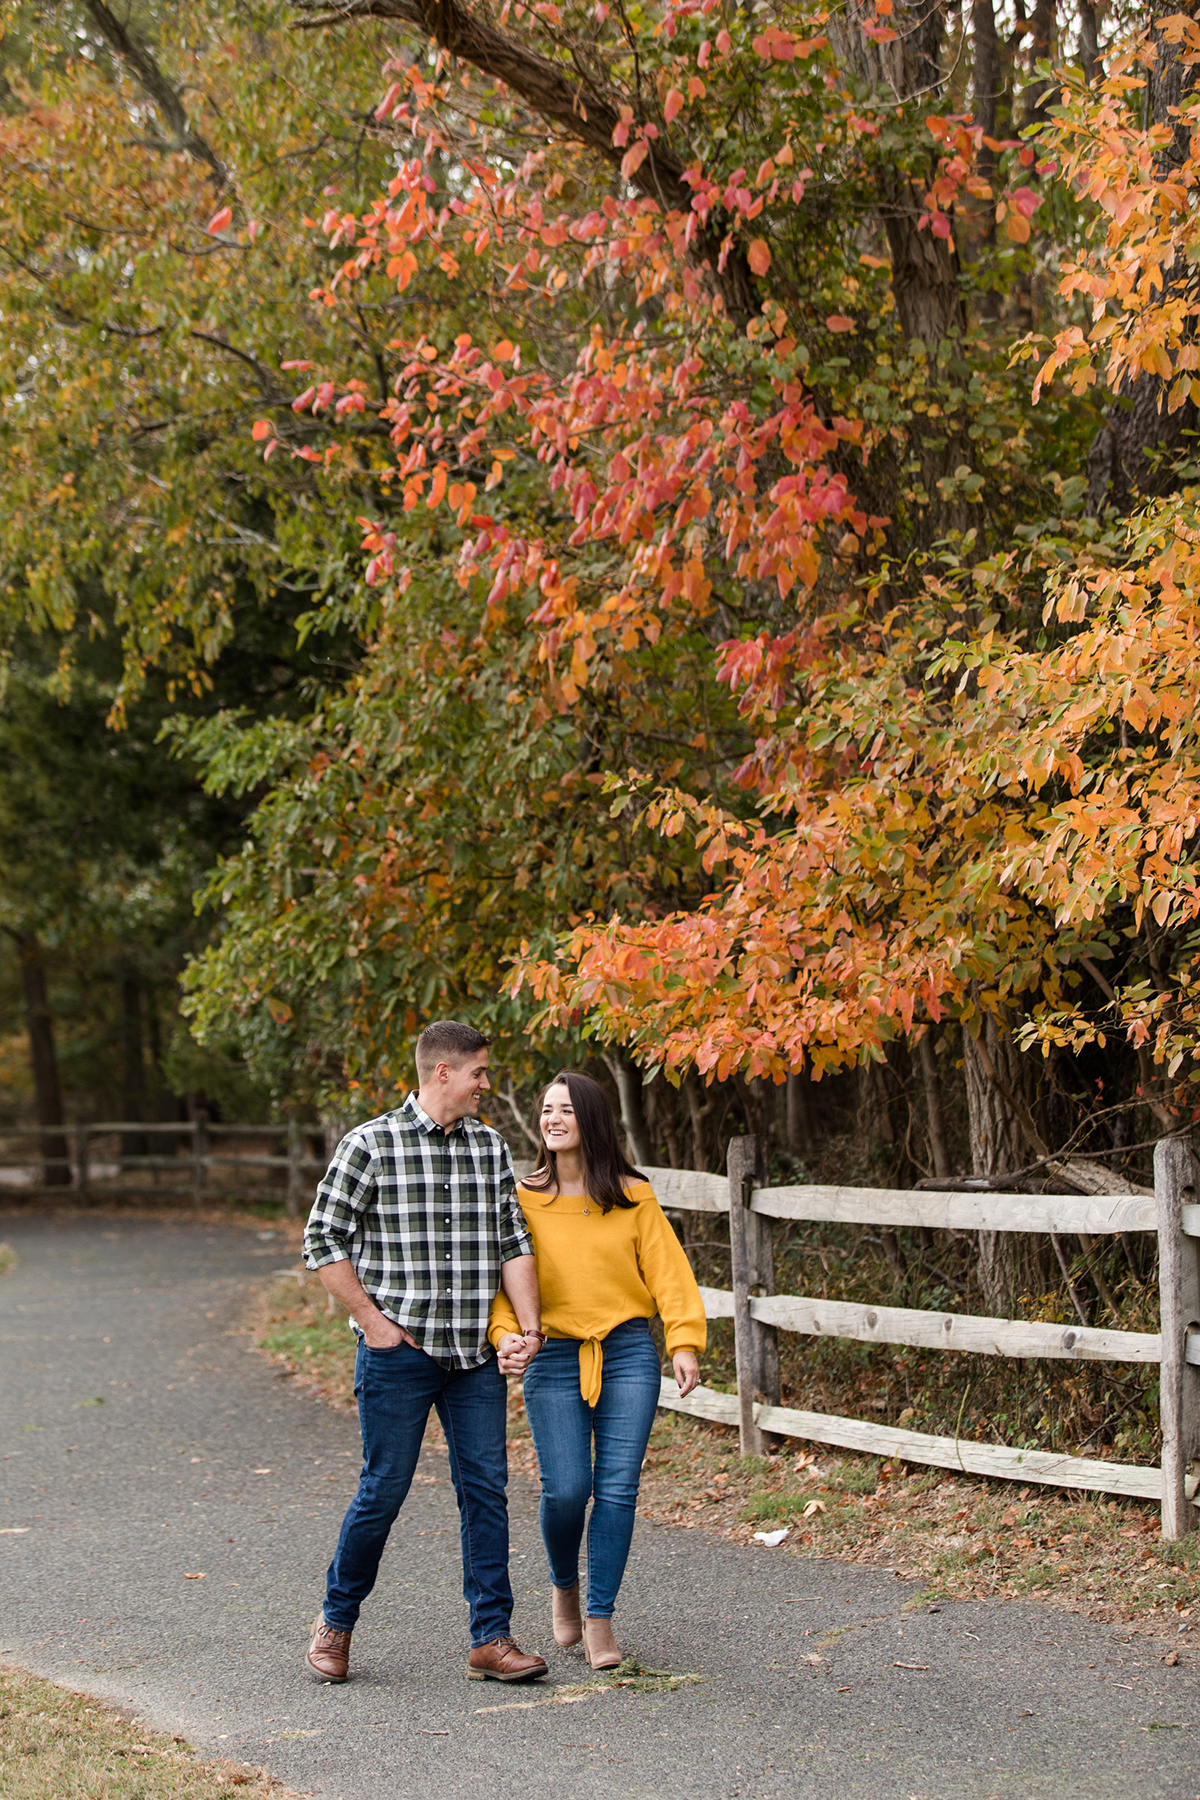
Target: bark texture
[
  {"x": 628, "y": 1078},
  {"x": 925, "y": 281},
  {"x": 133, "y": 1059},
  {"x": 43, "y": 1057},
  {"x": 1000, "y": 1084}
]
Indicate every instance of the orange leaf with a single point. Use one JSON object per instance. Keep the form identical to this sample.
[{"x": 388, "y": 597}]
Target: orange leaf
[
  {"x": 220, "y": 220},
  {"x": 839, "y": 322},
  {"x": 1017, "y": 228},
  {"x": 260, "y": 430},
  {"x": 760, "y": 256}
]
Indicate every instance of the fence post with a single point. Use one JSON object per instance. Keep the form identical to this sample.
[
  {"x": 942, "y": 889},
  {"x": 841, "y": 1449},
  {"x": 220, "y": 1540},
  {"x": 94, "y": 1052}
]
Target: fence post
[
  {"x": 81, "y": 1163},
  {"x": 1176, "y": 1185},
  {"x": 199, "y": 1158},
  {"x": 295, "y": 1151},
  {"x": 753, "y": 1270}
]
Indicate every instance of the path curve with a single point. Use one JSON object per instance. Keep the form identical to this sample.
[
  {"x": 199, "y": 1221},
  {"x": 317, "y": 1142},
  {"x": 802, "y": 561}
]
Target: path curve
[{"x": 145, "y": 1446}]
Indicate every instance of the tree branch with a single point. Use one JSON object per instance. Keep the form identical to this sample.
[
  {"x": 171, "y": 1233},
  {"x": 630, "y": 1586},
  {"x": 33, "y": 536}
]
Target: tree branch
[
  {"x": 137, "y": 58},
  {"x": 579, "y": 111}
]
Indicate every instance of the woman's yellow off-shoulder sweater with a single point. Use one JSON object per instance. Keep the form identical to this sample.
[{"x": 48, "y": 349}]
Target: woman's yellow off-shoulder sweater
[{"x": 597, "y": 1269}]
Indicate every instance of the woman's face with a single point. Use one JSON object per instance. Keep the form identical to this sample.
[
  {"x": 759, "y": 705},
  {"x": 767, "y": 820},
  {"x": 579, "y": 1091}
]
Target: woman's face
[{"x": 560, "y": 1128}]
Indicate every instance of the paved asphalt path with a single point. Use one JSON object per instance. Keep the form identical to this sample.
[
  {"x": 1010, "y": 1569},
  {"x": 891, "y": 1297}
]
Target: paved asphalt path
[{"x": 143, "y": 1442}]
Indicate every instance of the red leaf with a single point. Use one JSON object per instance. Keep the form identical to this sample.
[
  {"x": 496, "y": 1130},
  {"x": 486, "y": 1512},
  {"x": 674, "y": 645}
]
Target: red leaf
[{"x": 219, "y": 220}]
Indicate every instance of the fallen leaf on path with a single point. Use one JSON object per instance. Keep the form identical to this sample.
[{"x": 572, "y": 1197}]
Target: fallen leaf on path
[
  {"x": 14, "y": 1530},
  {"x": 199, "y": 1576},
  {"x": 900, "y": 1665},
  {"x": 1171, "y": 1658}
]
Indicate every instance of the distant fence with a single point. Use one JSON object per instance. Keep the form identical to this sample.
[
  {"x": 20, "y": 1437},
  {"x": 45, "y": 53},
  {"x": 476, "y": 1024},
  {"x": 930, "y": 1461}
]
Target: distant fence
[
  {"x": 759, "y": 1313},
  {"x": 199, "y": 1160}
]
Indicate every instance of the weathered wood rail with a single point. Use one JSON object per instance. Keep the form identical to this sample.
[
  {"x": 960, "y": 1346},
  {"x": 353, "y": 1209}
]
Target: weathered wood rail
[
  {"x": 199, "y": 1167},
  {"x": 1172, "y": 1212}
]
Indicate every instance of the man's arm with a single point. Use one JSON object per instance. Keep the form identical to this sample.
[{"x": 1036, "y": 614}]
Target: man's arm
[
  {"x": 518, "y": 1278},
  {"x": 379, "y": 1332}
]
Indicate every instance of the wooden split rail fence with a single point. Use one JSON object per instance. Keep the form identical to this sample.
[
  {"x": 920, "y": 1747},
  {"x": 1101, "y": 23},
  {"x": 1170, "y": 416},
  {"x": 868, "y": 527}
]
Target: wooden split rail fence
[
  {"x": 196, "y": 1165},
  {"x": 759, "y": 1313}
]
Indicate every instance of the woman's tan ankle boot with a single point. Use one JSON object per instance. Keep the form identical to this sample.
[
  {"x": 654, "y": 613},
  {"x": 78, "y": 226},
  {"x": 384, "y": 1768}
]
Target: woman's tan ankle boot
[
  {"x": 600, "y": 1645},
  {"x": 564, "y": 1604}
]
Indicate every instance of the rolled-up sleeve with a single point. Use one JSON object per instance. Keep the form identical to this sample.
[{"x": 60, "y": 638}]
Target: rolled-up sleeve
[
  {"x": 347, "y": 1189},
  {"x": 514, "y": 1233}
]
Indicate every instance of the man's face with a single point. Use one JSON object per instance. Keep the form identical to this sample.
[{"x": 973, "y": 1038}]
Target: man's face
[{"x": 460, "y": 1088}]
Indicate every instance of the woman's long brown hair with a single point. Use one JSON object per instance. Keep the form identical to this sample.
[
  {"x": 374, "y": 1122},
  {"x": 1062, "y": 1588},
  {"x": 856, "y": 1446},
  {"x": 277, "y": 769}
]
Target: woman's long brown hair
[{"x": 606, "y": 1168}]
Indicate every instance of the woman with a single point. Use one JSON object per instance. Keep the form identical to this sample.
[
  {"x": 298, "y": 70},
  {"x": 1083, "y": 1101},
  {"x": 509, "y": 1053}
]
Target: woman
[{"x": 607, "y": 1261}]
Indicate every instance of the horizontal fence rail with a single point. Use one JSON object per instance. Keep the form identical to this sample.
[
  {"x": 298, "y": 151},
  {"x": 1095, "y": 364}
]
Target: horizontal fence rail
[
  {"x": 202, "y": 1169},
  {"x": 919, "y": 1446},
  {"x": 1172, "y": 1211}
]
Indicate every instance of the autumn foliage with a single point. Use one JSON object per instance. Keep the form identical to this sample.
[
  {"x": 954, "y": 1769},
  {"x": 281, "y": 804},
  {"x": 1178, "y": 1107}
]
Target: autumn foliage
[{"x": 694, "y": 420}]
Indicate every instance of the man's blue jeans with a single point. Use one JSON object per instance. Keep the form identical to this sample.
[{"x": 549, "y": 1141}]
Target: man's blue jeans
[
  {"x": 563, "y": 1426},
  {"x": 395, "y": 1390}
]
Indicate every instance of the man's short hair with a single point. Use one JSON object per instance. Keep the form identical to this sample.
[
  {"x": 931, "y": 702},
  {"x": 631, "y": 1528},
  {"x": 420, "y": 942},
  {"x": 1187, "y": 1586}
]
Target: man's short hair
[{"x": 447, "y": 1041}]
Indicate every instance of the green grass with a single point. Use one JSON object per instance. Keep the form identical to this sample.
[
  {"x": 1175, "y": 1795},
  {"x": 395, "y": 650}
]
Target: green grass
[
  {"x": 8, "y": 1257},
  {"x": 56, "y": 1745}
]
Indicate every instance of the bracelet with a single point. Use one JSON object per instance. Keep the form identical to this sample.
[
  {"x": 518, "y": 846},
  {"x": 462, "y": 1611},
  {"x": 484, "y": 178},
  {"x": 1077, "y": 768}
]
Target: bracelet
[{"x": 540, "y": 1335}]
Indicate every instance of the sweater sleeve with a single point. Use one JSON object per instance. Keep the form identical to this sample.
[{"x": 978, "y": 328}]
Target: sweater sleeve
[
  {"x": 668, "y": 1276},
  {"x": 501, "y": 1319}
]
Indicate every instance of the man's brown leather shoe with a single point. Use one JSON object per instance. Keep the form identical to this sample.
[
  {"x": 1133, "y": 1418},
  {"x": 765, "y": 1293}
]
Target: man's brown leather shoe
[
  {"x": 503, "y": 1660},
  {"x": 329, "y": 1651}
]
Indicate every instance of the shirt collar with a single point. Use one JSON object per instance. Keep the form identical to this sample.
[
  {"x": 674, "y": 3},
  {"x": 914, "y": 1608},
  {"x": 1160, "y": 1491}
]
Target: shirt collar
[{"x": 421, "y": 1119}]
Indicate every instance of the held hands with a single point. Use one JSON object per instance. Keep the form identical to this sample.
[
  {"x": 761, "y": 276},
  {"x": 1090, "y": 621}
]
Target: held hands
[
  {"x": 687, "y": 1371},
  {"x": 514, "y": 1354}
]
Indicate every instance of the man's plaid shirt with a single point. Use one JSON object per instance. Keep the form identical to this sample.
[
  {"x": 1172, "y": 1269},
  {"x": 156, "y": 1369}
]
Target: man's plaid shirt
[{"x": 427, "y": 1217}]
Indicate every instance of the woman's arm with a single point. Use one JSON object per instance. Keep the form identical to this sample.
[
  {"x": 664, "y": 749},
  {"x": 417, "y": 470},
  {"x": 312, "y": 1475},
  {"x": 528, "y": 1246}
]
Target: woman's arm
[
  {"x": 520, "y": 1298},
  {"x": 667, "y": 1274}
]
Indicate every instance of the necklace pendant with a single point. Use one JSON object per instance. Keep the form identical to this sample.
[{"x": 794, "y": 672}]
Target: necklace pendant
[{"x": 585, "y": 1212}]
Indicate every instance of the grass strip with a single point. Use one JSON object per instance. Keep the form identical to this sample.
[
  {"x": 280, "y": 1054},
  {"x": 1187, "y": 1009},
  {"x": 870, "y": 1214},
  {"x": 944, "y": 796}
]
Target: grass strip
[{"x": 66, "y": 1746}]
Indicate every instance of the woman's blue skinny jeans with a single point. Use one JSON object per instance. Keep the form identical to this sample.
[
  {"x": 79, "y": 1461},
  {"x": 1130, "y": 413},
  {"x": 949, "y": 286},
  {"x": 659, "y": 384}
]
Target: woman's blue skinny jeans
[{"x": 563, "y": 1426}]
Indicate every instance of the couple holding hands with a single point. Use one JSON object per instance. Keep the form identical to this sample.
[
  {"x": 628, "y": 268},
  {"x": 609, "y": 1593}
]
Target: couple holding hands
[{"x": 454, "y": 1277}]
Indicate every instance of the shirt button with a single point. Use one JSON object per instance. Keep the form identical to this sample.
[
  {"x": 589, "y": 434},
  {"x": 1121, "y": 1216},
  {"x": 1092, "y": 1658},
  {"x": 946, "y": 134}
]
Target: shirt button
[{"x": 447, "y": 1256}]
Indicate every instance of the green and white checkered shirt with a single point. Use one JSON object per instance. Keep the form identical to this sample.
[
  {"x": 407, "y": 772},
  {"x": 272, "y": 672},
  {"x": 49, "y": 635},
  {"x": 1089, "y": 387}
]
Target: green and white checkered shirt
[{"x": 427, "y": 1217}]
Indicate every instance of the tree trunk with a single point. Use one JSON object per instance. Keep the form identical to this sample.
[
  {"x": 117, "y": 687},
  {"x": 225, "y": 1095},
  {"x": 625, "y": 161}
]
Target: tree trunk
[
  {"x": 133, "y": 1059},
  {"x": 987, "y": 85},
  {"x": 929, "y": 303},
  {"x": 927, "y": 1062},
  {"x": 999, "y": 1080},
  {"x": 56, "y": 1165},
  {"x": 799, "y": 1124},
  {"x": 1089, "y": 42},
  {"x": 1041, "y": 45},
  {"x": 628, "y": 1078},
  {"x": 699, "y": 1107}
]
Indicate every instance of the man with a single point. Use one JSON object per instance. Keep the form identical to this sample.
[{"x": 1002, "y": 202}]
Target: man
[{"x": 414, "y": 1228}]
